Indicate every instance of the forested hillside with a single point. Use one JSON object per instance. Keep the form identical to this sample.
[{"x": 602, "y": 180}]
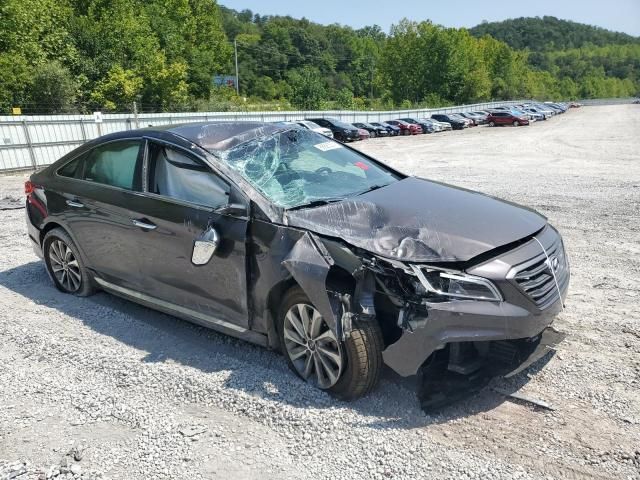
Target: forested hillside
[
  {"x": 82, "y": 55},
  {"x": 550, "y": 33},
  {"x": 588, "y": 61}
]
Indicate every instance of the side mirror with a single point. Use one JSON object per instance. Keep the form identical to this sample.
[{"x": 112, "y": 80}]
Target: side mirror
[
  {"x": 234, "y": 209},
  {"x": 205, "y": 246}
]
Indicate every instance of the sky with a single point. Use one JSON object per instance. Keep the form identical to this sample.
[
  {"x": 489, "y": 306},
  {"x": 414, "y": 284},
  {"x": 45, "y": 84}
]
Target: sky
[{"x": 617, "y": 15}]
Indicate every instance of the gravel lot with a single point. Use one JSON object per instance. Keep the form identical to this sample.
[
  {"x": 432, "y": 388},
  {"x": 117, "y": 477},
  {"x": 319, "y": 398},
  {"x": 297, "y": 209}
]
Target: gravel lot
[{"x": 101, "y": 388}]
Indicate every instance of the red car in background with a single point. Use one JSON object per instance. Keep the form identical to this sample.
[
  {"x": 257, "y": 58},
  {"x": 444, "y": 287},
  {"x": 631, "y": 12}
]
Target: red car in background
[
  {"x": 405, "y": 127},
  {"x": 506, "y": 118},
  {"x": 364, "y": 135}
]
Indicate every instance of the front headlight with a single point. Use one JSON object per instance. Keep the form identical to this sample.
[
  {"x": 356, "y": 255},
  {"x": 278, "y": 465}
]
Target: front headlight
[{"x": 456, "y": 285}]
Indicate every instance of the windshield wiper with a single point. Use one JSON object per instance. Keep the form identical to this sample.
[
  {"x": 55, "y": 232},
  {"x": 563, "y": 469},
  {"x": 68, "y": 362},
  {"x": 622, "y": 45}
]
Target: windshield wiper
[
  {"x": 316, "y": 203},
  {"x": 371, "y": 189}
]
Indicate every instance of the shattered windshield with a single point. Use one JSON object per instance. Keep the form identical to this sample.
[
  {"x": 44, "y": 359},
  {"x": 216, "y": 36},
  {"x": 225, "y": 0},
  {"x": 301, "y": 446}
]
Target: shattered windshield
[{"x": 299, "y": 167}]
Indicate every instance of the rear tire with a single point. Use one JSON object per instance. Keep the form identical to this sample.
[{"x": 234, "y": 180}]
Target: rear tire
[
  {"x": 492, "y": 124},
  {"x": 360, "y": 363},
  {"x": 64, "y": 265}
]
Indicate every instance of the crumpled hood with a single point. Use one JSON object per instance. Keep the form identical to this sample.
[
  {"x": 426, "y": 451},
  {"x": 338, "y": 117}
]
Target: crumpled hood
[{"x": 421, "y": 221}]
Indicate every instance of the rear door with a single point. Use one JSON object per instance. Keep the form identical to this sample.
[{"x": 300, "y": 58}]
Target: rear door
[
  {"x": 99, "y": 187},
  {"x": 179, "y": 204},
  {"x": 504, "y": 118}
]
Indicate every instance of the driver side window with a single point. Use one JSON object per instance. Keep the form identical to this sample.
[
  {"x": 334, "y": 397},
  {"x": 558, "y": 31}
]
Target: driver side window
[{"x": 173, "y": 173}]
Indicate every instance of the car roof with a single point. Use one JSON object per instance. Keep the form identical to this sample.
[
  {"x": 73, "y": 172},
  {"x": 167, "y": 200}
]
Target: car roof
[{"x": 221, "y": 136}]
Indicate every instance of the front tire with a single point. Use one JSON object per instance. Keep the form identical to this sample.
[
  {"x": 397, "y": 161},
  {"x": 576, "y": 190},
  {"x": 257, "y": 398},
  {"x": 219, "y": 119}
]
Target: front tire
[
  {"x": 347, "y": 370},
  {"x": 515, "y": 123},
  {"x": 64, "y": 264}
]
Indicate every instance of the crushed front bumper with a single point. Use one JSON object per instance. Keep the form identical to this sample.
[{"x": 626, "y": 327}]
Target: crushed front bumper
[
  {"x": 463, "y": 321},
  {"x": 435, "y": 325}
]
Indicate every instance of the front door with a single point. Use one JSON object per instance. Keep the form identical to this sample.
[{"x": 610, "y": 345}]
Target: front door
[{"x": 177, "y": 207}]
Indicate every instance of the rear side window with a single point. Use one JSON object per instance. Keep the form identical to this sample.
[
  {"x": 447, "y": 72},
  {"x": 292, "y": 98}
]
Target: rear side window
[
  {"x": 175, "y": 174},
  {"x": 71, "y": 169},
  {"x": 116, "y": 164}
]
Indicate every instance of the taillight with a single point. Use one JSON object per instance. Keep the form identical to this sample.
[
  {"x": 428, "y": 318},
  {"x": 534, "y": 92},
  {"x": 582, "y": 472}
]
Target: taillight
[{"x": 29, "y": 187}]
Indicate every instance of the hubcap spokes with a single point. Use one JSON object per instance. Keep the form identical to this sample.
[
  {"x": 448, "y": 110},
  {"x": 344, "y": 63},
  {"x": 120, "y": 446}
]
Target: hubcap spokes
[
  {"x": 312, "y": 347},
  {"x": 64, "y": 265}
]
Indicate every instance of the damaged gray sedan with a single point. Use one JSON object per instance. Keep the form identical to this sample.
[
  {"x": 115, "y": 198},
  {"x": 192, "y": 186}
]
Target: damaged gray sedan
[{"x": 282, "y": 237}]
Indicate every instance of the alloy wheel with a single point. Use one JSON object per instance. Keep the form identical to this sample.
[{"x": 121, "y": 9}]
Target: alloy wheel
[
  {"x": 64, "y": 265},
  {"x": 312, "y": 347}
]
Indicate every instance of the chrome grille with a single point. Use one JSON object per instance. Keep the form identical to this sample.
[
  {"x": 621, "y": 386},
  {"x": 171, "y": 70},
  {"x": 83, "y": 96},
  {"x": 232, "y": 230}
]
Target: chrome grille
[{"x": 535, "y": 277}]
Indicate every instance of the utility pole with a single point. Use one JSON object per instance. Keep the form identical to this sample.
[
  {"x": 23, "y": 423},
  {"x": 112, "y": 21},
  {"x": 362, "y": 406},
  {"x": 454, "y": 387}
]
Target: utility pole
[
  {"x": 373, "y": 67},
  {"x": 235, "y": 49},
  {"x": 135, "y": 114}
]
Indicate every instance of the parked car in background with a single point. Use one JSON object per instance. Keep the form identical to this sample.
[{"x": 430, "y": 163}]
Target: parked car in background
[
  {"x": 546, "y": 113},
  {"x": 556, "y": 110},
  {"x": 374, "y": 130},
  {"x": 341, "y": 131},
  {"x": 284, "y": 238},
  {"x": 476, "y": 119},
  {"x": 393, "y": 130},
  {"x": 544, "y": 109},
  {"x": 521, "y": 113},
  {"x": 482, "y": 116},
  {"x": 455, "y": 122},
  {"x": 363, "y": 134},
  {"x": 405, "y": 127},
  {"x": 444, "y": 126},
  {"x": 557, "y": 106},
  {"x": 314, "y": 127},
  {"x": 436, "y": 126},
  {"x": 506, "y": 118},
  {"x": 537, "y": 116},
  {"x": 468, "y": 121},
  {"x": 426, "y": 127}
]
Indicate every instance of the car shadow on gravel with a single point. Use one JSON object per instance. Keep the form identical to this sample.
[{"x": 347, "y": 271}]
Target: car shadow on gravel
[{"x": 253, "y": 370}]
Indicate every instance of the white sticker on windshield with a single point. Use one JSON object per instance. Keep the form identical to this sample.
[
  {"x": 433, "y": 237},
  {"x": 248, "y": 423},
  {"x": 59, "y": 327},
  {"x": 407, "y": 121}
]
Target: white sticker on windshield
[{"x": 326, "y": 146}]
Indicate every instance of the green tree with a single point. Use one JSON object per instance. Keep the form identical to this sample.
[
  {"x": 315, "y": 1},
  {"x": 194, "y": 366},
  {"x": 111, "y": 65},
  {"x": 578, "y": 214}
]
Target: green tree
[
  {"x": 15, "y": 79},
  {"x": 345, "y": 99},
  {"x": 53, "y": 89},
  {"x": 307, "y": 89},
  {"x": 37, "y": 30},
  {"x": 118, "y": 90}
]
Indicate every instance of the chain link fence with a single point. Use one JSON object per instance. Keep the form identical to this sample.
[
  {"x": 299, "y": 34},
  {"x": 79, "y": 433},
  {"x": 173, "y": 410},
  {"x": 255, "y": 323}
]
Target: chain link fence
[{"x": 30, "y": 142}]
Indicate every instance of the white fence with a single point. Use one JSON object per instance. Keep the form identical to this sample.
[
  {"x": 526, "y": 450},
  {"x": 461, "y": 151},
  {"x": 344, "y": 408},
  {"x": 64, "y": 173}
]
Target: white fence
[{"x": 29, "y": 142}]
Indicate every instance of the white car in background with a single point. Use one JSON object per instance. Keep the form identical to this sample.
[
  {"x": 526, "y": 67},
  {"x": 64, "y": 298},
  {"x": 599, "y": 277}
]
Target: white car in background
[
  {"x": 315, "y": 128},
  {"x": 444, "y": 126}
]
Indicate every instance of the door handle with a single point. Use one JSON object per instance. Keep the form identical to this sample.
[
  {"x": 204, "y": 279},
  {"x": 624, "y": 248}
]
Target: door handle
[
  {"x": 144, "y": 225},
  {"x": 75, "y": 204}
]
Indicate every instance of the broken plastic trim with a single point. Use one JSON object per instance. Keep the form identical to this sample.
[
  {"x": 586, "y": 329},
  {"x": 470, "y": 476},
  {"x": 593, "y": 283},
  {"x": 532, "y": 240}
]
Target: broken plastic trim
[{"x": 309, "y": 263}]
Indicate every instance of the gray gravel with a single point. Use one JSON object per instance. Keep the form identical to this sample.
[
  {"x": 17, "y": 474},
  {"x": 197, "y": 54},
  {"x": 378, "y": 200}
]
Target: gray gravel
[{"x": 101, "y": 388}]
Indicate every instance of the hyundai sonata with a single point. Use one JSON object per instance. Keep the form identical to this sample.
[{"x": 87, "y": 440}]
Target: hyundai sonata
[{"x": 280, "y": 236}]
